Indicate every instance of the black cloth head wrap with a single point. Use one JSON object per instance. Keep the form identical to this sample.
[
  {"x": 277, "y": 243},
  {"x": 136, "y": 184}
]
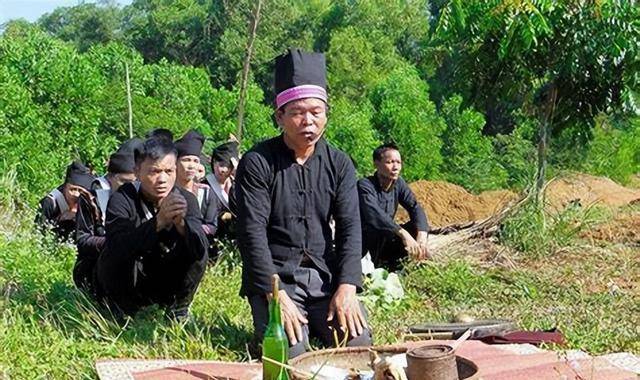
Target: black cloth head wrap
[
  {"x": 79, "y": 175},
  {"x": 225, "y": 153},
  {"x": 122, "y": 161},
  {"x": 190, "y": 144},
  {"x": 131, "y": 145},
  {"x": 300, "y": 74}
]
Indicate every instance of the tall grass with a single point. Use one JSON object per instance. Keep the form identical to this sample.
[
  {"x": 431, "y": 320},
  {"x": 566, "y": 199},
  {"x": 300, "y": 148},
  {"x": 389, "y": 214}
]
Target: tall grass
[
  {"x": 537, "y": 230},
  {"x": 13, "y": 210}
]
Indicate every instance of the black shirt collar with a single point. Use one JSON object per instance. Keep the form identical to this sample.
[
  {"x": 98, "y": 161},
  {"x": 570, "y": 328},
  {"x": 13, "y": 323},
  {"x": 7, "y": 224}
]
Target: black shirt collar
[
  {"x": 378, "y": 185},
  {"x": 319, "y": 151}
]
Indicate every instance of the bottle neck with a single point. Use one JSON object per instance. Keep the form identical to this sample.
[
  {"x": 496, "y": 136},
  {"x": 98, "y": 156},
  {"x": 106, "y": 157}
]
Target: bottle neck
[{"x": 274, "y": 313}]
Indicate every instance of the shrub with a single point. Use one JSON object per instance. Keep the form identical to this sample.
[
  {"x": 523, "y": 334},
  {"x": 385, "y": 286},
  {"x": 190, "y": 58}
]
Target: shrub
[
  {"x": 615, "y": 149},
  {"x": 469, "y": 157},
  {"x": 406, "y": 116}
]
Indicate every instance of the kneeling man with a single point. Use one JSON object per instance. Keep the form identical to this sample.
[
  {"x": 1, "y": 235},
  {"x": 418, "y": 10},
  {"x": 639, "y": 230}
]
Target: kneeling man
[
  {"x": 155, "y": 244},
  {"x": 387, "y": 241},
  {"x": 289, "y": 189}
]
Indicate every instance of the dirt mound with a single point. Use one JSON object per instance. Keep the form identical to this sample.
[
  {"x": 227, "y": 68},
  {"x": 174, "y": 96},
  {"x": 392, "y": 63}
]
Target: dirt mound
[
  {"x": 446, "y": 203},
  {"x": 589, "y": 190},
  {"x": 624, "y": 228}
]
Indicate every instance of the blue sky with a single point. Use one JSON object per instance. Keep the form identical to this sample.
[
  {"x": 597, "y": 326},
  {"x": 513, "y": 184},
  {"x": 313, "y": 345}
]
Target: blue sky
[{"x": 31, "y": 10}]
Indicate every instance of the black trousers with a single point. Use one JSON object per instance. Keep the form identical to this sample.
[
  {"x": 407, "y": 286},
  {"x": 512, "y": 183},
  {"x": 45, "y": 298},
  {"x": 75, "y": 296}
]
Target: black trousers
[
  {"x": 387, "y": 251},
  {"x": 170, "y": 283},
  {"x": 83, "y": 274},
  {"x": 314, "y": 309}
]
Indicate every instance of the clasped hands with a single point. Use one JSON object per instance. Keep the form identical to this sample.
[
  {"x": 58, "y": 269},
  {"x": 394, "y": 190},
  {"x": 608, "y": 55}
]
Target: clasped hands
[{"x": 172, "y": 210}]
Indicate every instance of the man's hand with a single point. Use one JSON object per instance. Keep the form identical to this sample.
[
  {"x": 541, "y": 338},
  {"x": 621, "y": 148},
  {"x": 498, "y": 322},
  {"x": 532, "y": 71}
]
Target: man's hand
[
  {"x": 411, "y": 245},
  {"x": 421, "y": 239},
  {"x": 292, "y": 318},
  {"x": 172, "y": 210},
  {"x": 346, "y": 307},
  {"x": 226, "y": 216}
]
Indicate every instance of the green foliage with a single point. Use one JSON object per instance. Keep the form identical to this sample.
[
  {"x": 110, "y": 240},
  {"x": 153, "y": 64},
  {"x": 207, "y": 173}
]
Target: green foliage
[
  {"x": 283, "y": 24},
  {"x": 57, "y": 105},
  {"x": 516, "y": 153},
  {"x": 614, "y": 150},
  {"x": 352, "y": 70},
  {"x": 350, "y": 130},
  {"x": 382, "y": 290},
  {"x": 50, "y": 105},
  {"x": 85, "y": 25},
  {"x": 407, "y": 116},
  {"x": 175, "y": 30},
  {"x": 589, "y": 51},
  {"x": 390, "y": 25},
  {"x": 469, "y": 156},
  {"x": 496, "y": 55}
]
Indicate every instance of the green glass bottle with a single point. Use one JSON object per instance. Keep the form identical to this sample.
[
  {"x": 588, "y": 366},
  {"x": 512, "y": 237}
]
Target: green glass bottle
[{"x": 275, "y": 345}]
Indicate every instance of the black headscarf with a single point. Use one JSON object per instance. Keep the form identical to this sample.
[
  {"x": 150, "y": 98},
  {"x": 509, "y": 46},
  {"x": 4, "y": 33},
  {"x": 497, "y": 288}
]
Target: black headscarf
[
  {"x": 79, "y": 175},
  {"x": 190, "y": 144},
  {"x": 226, "y": 153}
]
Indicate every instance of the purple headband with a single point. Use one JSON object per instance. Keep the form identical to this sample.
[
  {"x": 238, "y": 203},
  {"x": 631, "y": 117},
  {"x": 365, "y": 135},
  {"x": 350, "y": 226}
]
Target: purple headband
[{"x": 300, "y": 92}]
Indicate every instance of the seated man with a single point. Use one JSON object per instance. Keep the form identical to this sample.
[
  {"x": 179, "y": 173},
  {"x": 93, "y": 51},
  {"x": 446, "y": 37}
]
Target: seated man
[
  {"x": 92, "y": 208},
  {"x": 155, "y": 250},
  {"x": 387, "y": 241},
  {"x": 289, "y": 189},
  {"x": 189, "y": 150},
  {"x": 57, "y": 210}
]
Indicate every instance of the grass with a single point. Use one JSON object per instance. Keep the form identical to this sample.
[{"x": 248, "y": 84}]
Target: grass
[{"x": 49, "y": 330}]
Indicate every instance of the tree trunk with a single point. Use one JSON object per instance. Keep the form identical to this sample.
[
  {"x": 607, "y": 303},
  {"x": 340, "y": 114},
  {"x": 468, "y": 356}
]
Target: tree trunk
[
  {"x": 542, "y": 159},
  {"x": 548, "y": 108},
  {"x": 245, "y": 69}
]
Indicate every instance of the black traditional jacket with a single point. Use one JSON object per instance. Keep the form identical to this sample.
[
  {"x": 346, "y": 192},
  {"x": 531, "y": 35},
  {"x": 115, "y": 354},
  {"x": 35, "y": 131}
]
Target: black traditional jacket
[{"x": 285, "y": 212}]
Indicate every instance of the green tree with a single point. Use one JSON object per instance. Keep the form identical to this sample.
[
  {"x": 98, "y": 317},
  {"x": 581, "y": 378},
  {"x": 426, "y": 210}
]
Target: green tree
[
  {"x": 406, "y": 116},
  {"x": 350, "y": 129},
  {"x": 51, "y": 115},
  {"x": 85, "y": 24},
  {"x": 180, "y": 31},
  {"x": 403, "y": 24},
  {"x": 515, "y": 152},
  {"x": 497, "y": 55},
  {"x": 468, "y": 155}
]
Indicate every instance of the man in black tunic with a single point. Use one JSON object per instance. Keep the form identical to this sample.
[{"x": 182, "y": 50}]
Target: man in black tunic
[
  {"x": 155, "y": 249},
  {"x": 387, "y": 241},
  {"x": 58, "y": 209},
  {"x": 289, "y": 189},
  {"x": 92, "y": 210}
]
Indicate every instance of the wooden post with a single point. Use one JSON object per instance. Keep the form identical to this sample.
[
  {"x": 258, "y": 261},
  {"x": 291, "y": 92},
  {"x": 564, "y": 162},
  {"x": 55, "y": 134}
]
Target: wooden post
[
  {"x": 126, "y": 70},
  {"x": 245, "y": 69}
]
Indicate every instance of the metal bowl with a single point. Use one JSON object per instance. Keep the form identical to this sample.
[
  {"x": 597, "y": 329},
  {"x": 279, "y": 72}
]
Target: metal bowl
[{"x": 358, "y": 358}]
